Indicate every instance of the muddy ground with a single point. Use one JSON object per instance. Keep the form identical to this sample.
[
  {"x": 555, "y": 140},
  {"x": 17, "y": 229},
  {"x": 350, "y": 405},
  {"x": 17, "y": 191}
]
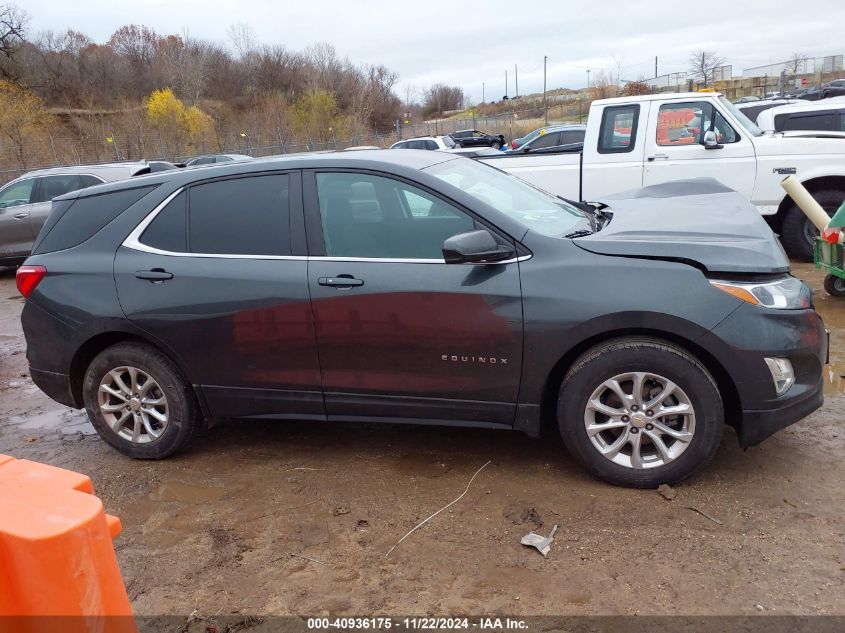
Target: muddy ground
[{"x": 215, "y": 528}]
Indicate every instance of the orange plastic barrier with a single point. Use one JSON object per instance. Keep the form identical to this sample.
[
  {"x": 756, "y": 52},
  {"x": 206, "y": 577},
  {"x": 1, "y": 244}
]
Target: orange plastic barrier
[{"x": 58, "y": 570}]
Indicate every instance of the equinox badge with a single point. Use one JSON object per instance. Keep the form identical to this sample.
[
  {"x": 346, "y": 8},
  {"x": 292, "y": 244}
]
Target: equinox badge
[{"x": 479, "y": 360}]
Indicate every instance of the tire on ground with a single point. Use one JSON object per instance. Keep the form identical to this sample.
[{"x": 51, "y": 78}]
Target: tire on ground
[
  {"x": 793, "y": 235},
  {"x": 183, "y": 412},
  {"x": 619, "y": 356}
]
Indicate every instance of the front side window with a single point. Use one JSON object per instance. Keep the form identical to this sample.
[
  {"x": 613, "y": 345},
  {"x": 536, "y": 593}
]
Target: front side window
[
  {"x": 240, "y": 216},
  {"x": 55, "y": 186},
  {"x": 618, "y": 129},
  {"x": 686, "y": 123},
  {"x": 17, "y": 194},
  {"x": 550, "y": 139},
  {"x": 370, "y": 216},
  {"x": 534, "y": 208}
]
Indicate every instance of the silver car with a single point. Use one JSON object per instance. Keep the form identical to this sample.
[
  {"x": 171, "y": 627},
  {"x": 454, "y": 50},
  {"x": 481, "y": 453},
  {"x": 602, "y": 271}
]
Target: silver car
[{"x": 26, "y": 201}]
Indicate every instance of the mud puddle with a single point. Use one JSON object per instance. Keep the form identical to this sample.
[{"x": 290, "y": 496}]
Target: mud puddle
[{"x": 65, "y": 421}]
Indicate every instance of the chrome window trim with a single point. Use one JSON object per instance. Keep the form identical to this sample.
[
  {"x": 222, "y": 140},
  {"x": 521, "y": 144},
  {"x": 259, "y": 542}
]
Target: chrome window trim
[{"x": 133, "y": 241}]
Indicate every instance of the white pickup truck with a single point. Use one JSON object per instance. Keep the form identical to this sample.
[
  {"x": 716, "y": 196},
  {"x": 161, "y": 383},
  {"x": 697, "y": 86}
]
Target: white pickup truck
[{"x": 644, "y": 140}]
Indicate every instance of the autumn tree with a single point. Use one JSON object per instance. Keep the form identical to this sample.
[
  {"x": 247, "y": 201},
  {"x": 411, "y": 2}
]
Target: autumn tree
[
  {"x": 174, "y": 121},
  {"x": 636, "y": 88},
  {"x": 440, "y": 98},
  {"x": 703, "y": 65},
  {"x": 22, "y": 113},
  {"x": 315, "y": 115}
]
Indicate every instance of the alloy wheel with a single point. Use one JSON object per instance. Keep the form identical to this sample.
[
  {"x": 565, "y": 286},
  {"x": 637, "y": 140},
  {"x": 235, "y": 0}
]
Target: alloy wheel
[
  {"x": 639, "y": 420},
  {"x": 133, "y": 404}
]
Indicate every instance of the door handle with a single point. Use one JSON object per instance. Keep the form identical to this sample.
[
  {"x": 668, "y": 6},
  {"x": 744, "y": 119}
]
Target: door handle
[
  {"x": 156, "y": 274},
  {"x": 341, "y": 281},
  {"x": 657, "y": 157},
  {"x": 21, "y": 216}
]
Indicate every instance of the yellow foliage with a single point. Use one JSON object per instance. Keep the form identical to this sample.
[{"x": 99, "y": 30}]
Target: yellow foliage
[
  {"x": 316, "y": 113},
  {"x": 22, "y": 112},
  {"x": 197, "y": 122},
  {"x": 164, "y": 109}
]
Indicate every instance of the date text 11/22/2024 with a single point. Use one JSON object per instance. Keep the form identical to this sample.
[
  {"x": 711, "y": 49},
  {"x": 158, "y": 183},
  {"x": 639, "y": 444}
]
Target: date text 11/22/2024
[{"x": 416, "y": 623}]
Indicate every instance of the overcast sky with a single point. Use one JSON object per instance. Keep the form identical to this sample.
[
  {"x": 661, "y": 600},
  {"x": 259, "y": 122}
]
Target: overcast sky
[{"x": 467, "y": 43}]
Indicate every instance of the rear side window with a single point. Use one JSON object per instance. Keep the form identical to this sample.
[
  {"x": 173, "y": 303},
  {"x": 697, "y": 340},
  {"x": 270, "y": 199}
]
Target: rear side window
[
  {"x": 549, "y": 139},
  {"x": 169, "y": 229},
  {"x": 89, "y": 181},
  {"x": 827, "y": 120},
  {"x": 618, "y": 132},
  {"x": 240, "y": 216},
  {"x": 71, "y": 222}
]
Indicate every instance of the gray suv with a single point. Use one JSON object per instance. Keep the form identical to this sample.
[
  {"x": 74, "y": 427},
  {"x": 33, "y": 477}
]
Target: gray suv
[{"x": 25, "y": 202}]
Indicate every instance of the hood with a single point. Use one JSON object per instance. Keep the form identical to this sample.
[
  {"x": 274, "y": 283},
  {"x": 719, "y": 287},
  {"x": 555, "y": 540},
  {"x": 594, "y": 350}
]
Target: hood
[
  {"x": 699, "y": 221},
  {"x": 800, "y": 143}
]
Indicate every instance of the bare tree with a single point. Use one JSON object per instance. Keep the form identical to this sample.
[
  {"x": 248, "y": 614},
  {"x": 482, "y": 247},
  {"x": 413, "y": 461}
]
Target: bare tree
[
  {"x": 797, "y": 63},
  {"x": 702, "y": 65},
  {"x": 13, "y": 21},
  {"x": 619, "y": 65},
  {"x": 242, "y": 38}
]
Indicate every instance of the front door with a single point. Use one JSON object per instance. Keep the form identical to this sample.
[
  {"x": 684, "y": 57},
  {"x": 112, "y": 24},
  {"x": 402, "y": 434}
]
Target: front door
[
  {"x": 401, "y": 334},
  {"x": 15, "y": 205},
  {"x": 215, "y": 280},
  {"x": 675, "y": 150}
]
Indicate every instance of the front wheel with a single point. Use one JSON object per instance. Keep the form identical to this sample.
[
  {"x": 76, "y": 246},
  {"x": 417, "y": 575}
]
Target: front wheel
[
  {"x": 798, "y": 233},
  {"x": 640, "y": 412},
  {"x": 835, "y": 286},
  {"x": 497, "y": 145}
]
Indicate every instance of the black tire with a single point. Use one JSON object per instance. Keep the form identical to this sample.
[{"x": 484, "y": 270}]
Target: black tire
[
  {"x": 835, "y": 286},
  {"x": 182, "y": 409},
  {"x": 797, "y": 227},
  {"x": 497, "y": 145},
  {"x": 617, "y": 357}
]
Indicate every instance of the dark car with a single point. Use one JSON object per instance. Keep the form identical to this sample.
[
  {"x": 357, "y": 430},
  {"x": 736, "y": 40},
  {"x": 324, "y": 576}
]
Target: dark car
[
  {"x": 555, "y": 139},
  {"x": 421, "y": 287},
  {"x": 831, "y": 89},
  {"x": 476, "y": 138}
]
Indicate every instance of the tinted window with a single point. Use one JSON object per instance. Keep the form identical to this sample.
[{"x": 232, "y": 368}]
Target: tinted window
[
  {"x": 371, "y": 216},
  {"x": 17, "y": 194},
  {"x": 88, "y": 181},
  {"x": 549, "y": 139},
  {"x": 618, "y": 129},
  {"x": 240, "y": 216},
  {"x": 54, "y": 186},
  {"x": 430, "y": 145},
  {"x": 83, "y": 217},
  {"x": 571, "y": 136},
  {"x": 826, "y": 120},
  {"x": 169, "y": 230}
]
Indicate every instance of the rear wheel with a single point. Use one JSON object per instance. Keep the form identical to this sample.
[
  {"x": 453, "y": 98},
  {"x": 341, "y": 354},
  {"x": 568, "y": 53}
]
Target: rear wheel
[
  {"x": 640, "y": 412},
  {"x": 835, "y": 286},
  {"x": 799, "y": 233},
  {"x": 138, "y": 401}
]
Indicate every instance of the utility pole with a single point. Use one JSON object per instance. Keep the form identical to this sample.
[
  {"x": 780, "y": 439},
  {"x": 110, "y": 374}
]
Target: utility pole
[
  {"x": 655, "y": 66},
  {"x": 545, "y": 105},
  {"x": 515, "y": 81},
  {"x": 588, "y": 78},
  {"x": 506, "y": 83},
  {"x": 483, "y": 100}
]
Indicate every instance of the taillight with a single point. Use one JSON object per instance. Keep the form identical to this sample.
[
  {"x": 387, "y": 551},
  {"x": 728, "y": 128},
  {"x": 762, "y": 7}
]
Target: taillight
[
  {"x": 513, "y": 144},
  {"x": 28, "y": 277}
]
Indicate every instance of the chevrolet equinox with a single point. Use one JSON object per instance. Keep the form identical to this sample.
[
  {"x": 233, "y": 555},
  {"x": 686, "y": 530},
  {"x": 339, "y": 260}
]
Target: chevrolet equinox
[{"x": 421, "y": 287}]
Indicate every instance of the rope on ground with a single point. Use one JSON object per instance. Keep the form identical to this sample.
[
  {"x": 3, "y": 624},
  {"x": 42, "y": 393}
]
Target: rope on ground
[{"x": 419, "y": 525}]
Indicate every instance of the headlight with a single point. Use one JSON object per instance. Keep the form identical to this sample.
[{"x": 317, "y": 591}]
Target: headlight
[{"x": 787, "y": 293}]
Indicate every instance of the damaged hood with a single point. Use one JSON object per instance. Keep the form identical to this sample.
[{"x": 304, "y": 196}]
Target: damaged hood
[{"x": 699, "y": 221}]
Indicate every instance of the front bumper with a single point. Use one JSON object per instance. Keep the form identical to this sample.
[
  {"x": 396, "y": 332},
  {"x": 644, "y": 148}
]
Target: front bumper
[{"x": 743, "y": 340}]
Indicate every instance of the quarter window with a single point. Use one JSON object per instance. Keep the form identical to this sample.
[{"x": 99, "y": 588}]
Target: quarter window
[
  {"x": 54, "y": 186},
  {"x": 240, "y": 216},
  {"x": 169, "y": 229},
  {"x": 376, "y": 217},
  {"x": 618, "y": 129},
  {"x": 550, "y": 139}
]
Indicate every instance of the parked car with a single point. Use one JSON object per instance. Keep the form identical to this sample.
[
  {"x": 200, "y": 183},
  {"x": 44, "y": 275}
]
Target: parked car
[
  {"x": 747, "y": 99},
  {"x": 517, "y": 142},
  {"x": 211, "y": 159},
  {"x": 557, "y": 138},
  {"x": 753, "y": 110},
  {"x": 426, "y": 142},
  {"x": 421, "y": 287},
  {"x": 824, "y": 115},
  {"x": 25, "y": 201},
  {"x": 475, "y": 138},
  {"x": 824, "y": 91},
  {"x": 649, "y": 139}
]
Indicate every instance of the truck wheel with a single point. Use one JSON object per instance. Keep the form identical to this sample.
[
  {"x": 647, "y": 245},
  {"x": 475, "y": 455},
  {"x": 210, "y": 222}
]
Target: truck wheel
[
  {"x": 835, "y": 286},
  {"x": 138, "y": 401},
  {"x": 799, "y": 233},
  {"x": 640, "y": 412}
]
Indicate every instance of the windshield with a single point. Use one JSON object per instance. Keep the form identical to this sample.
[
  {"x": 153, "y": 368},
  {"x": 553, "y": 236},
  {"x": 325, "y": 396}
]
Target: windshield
[
  {"x": 536, "y": 209},
  {"x": 752, "y": 129}
]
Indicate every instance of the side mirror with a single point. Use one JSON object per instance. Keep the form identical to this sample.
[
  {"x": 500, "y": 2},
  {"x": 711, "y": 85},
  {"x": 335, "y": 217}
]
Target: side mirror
[
  {"x": 710, "y": 141},
  {"x": 474, "y": 247}
]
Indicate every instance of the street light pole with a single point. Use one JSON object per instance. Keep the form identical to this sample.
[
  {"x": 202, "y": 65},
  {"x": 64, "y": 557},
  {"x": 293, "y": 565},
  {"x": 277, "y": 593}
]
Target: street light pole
[{"x": 545, "y": 103}]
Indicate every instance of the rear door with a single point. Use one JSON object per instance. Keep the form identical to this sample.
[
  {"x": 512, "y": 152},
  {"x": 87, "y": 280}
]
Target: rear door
[
  {"x": 15, "y": 205},
  {"x": 675, "y": 150},
  {"x": 217, "y": 275},
  {"x": 402, "y": 334}
]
